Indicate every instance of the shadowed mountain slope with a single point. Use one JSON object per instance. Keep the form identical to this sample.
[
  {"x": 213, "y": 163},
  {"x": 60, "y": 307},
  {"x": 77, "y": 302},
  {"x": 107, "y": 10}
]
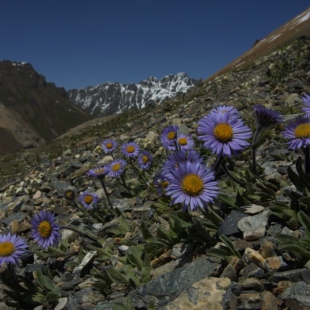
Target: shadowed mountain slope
[{"x": 33, "y": 105}]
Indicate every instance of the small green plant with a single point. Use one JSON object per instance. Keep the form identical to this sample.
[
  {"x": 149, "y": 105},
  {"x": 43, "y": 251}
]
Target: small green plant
[{"x": 300, "y": 248}]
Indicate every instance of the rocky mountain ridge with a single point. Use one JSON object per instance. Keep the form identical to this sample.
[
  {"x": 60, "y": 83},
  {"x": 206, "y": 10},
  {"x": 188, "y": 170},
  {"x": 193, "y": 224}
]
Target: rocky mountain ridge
[
  {"x": 33, "y": 110},
  {"x": 115, "y": 98}
]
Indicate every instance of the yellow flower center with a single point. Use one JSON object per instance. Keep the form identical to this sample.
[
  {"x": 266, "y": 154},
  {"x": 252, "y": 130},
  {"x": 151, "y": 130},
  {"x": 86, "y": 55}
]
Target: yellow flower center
[
  {"x": 6, "y": 248},
  {"x": 192, "y": 185},
  {"x": 182, "y": 141},
  {"x": 302, "y": 131},
  {"x": 109, "y": 145},
  {"x": 88, "y": 199},
  {"x": 171, "y": 135},
  {"x": 130, "y": 148},
  {"x": 69, "y": 194},
  {"x": 45, "y": 229},
  {"x": 116, "y": 167},
  {"x": 99, "y": 171},
  {"x": 164, "y": 184},
  {"x": 145, "y": 159},
  {"x": 223, "y": 132}
]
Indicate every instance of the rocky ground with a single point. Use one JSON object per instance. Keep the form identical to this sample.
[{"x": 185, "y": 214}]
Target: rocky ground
[{"x": 146, "y": 254}]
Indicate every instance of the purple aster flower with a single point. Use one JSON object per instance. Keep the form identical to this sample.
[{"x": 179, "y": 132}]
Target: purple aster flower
[
  {"x": 109, "y": 146},
  {"x": 185, "y": 142},
  {"x": 144, "y": 160},
  {"x": 69, "y": 194},
  {"x": 116, "y": 167},
  {"x": 298, "y": 131},
  {"x": 160, "y": 183},
  {"x": 266, "y": 118},
  {"x": 130, "y": 149},
  {"x": 193, "y": 185},
  {"x": 194, "y": 157},
  {"x": 306, "y": 101},
  {"x": 45, "y": 230},
  {"x": 223, "y": 134},
  {"x": 11, "y": 247},
  {"x": 175, "y": 159},
  {"x": 168, "y": 137},
  {"x": 98, "y": 172},
  {"x": 224, "y": 109},
  {"x": 88, "y": 200}
]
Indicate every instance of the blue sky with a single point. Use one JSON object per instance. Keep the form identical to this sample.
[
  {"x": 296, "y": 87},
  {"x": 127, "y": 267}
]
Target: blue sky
[{"x": 77, "y": 43}]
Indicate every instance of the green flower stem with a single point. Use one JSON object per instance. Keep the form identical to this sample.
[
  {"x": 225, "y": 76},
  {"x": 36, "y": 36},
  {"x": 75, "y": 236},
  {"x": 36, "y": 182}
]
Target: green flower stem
[
  {"x": 82, "y": 209},
  {"x": 231, "y": 176},
  {"x": 106, "y": 193},
  {"x": 306, "y": 151},
  {"x": 133, "y": 166},
  {"x": 217, "y": 166},
  {"x": 177, "y": 147},
  {"x": 124, "y": 184},
  {"x": 257, "y": 133}
]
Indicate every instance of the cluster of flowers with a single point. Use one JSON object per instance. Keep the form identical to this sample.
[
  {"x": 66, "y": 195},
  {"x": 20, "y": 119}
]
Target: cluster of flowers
[
  {"x": 116, "y": 168},
  {"x": 44, "y": 231},
  {"x": 184, "y": 175}
]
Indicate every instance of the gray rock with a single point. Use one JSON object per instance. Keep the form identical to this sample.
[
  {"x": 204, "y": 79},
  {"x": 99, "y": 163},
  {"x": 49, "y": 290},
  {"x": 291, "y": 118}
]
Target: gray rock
[
  {"x": 252, "y": 270},
  {"x": 292, "y": 275},
  {"x": 14, "y": 217},
  {"x": 253, "y": 227},
  {"x": 85, "y": 265},
  {"x": 229, "y": 226},
  {"x": 62, "y": 303},
  {"x": 60, "y": 186},
  {"x": 208, "y": 293},
  {"x": 297, "y": 296},
  {"x": 167, "y": 287}
]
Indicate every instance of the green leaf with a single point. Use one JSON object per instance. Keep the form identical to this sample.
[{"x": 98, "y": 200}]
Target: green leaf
[
  {"x": 212, "y": 216},
  {"x": 117, "y": 276},
  {"x": 151, "y": 306},
  {"x": 219, "y": 252},
  {"x": 133, "y": 279},
  {"x": 230, "y": 246},
  {"x": 56, "y": 252},
  {"x": 305, "y": 242},
  {"x": 228, "y": 199},
  {"x": 126, "y": 305},
  {"x": 295, "y": 179},
  {"x": 146, "y": 233},
  {"x": 52, "y": 296},
  {"x": 178, "y": 221},
  {"x": 286, "y": 238},
  {"x": 28, "y": 283},
  {"x": 146, "y": 269},
  {"x": 296, "y": 249},
  {"x": 11, "y": 294},
  {"x": 305, "y": 222},
  {"x": 40, "y": 298},
  {"x": 134, "y": 256},
  {"x": 166, "y": 235}
]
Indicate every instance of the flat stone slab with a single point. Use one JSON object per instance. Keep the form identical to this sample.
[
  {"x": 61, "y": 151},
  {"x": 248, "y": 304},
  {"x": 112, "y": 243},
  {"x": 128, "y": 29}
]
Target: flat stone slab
[
  {"x": 207, "y": 293},
  {"x": 167, "y": 287}
]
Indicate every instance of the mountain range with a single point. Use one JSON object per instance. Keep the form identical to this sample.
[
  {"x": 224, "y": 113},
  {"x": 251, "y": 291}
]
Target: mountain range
[
  {"x": 32, "y": 111},
  {"x": 114, "y": 98}
]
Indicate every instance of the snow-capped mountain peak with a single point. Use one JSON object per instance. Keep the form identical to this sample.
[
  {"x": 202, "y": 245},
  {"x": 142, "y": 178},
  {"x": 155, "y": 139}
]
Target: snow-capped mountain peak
[{"x": 113, "y": 98}]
